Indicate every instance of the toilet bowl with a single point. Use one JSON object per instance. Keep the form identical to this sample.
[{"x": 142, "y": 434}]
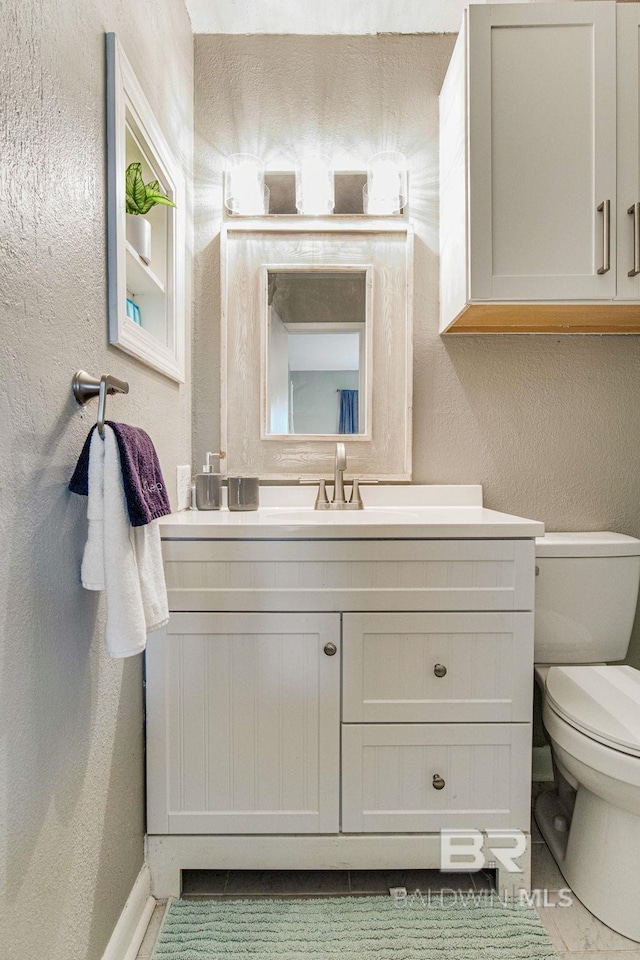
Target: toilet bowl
[{"x": 591, "y": 714}]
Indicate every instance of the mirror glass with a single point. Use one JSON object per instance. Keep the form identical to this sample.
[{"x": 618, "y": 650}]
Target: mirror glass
[{"x": 316, "y": 352}]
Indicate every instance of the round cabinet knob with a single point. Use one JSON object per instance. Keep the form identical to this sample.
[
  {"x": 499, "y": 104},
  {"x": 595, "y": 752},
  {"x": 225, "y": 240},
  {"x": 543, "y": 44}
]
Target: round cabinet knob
[
  {"x": 440, "y": 670},
  {"x": 438, "y": 782},
  {"x": 330, "y": 649}
]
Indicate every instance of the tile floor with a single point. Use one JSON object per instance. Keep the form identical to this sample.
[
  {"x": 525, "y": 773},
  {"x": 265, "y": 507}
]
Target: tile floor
[{"x": 575, "y": 933}]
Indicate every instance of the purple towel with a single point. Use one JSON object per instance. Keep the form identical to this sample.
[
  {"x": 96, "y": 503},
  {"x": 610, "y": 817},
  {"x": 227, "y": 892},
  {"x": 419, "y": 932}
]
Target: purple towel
[{"x": 144, "y": 486}]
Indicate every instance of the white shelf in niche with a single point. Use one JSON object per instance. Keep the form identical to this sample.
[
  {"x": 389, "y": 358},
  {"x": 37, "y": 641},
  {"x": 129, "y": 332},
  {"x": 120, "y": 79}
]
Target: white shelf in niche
[
  {"x": 140, "y": 278},
  {"x": 133, "y": 134}
]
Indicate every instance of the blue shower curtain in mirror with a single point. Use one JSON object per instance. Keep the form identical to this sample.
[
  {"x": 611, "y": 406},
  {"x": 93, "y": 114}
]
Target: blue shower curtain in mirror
[{"x": 348, "y": 422}]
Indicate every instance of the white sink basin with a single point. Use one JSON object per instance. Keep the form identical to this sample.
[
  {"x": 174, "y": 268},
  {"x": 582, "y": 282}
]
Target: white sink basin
[{"x": 369, "y": 515}]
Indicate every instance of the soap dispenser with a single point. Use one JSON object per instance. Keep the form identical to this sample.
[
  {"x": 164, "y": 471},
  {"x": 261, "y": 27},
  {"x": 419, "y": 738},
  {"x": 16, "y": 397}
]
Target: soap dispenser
[{"x": 209, "y": 485}]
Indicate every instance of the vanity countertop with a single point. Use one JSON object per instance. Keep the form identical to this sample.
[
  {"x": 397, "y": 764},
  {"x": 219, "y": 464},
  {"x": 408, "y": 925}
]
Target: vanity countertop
[{"x": 391, "y": 512}]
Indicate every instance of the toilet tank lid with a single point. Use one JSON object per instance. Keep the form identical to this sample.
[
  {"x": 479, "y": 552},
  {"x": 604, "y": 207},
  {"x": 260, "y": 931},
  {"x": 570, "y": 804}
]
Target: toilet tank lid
[{"x": 598, "y": 544}]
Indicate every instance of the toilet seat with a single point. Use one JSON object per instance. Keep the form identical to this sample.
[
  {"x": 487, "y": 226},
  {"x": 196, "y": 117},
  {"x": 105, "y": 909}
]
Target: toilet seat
[{"x": 601, "y": 702}]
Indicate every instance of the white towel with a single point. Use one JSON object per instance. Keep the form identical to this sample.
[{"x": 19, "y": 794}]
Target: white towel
[
  {"x": 124, "y": 561},
  {"x": 151, "y": 573},
  {"x": 92, "y": 572}
]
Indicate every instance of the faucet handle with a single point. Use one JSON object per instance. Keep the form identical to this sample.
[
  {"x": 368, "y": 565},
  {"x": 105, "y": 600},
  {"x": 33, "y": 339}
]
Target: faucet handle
[
  {"x": 355, "y": 502},
  {"x": 322, "y": 501}
]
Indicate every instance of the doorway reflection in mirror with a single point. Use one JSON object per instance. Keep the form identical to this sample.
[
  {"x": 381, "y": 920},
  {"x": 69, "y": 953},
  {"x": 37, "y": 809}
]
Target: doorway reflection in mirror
[{"x": 316, "y": 352}]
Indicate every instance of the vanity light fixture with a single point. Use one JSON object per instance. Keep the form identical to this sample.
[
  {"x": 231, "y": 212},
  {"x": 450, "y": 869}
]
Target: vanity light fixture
[
  {"x": 386, "y": 189},
  {"x": 379, "y": 206},
  {"x": 314, "y": 185},
  {"x": 245, "y": 193}
]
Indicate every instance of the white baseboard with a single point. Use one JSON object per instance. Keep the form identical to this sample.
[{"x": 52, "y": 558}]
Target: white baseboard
[{"x": 133, "y": 921}]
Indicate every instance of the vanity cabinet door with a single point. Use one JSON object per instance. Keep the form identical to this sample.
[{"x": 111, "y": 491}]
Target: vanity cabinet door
[
  {"x": 628, "y": 149},
  {"x": 542, "y": 150},
  {"x": 437, "y": 667},
  {"x": 243, "y": 714}
]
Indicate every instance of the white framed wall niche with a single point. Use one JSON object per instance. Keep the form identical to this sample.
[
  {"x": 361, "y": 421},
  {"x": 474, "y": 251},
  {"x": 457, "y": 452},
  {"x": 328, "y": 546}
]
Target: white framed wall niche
[
  {"x": 145, "y": 292},
  {"x": 335, "y": 287}
]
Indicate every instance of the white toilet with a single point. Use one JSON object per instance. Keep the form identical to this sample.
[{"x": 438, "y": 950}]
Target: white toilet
[{"x": 586, "y": 593}]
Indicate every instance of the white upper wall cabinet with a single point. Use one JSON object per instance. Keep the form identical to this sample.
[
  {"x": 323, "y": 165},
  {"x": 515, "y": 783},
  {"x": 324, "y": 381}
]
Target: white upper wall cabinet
[
  {"x": 628, "y": 152},
  {"x": 529, "y": 170}
]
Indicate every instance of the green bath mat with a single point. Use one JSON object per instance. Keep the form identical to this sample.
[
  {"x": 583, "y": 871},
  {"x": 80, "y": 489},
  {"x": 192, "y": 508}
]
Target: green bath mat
[{"x": 352, "y": 928}]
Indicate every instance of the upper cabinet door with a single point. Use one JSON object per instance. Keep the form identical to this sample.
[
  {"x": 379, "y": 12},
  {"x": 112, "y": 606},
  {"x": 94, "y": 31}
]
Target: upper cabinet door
[
  {"x": 542, "y": 151},
  {"x": 628, "y": 151}
]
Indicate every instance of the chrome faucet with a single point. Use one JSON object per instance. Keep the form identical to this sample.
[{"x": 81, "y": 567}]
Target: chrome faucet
[
  {"x": 340, "y": 466},
  {"x": 339, "y": 501}
]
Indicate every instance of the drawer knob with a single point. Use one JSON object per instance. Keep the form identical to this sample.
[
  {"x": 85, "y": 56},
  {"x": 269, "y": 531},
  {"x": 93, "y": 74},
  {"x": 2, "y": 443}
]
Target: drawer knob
[
  {"x": 330, "y": 649},
  {"x": 440, "y": 670},
  {"x": 438, "y": 782}
]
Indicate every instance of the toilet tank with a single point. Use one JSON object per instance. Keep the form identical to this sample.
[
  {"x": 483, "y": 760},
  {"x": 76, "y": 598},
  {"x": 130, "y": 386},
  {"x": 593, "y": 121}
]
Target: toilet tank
[{"x": 586, "y": 594}]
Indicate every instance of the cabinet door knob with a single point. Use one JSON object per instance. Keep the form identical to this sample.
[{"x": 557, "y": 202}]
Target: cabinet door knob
[
  {"x": 438, "y": 782},
  {"x": 330, "y": 649},
  {"x": 440, "y": 670}
]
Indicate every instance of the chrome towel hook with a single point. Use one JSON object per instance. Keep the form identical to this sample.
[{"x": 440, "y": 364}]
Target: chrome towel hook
[{"x": 85, "y": 388}]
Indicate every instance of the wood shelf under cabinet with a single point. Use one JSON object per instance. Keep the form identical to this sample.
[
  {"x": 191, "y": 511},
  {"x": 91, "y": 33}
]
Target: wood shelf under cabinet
[{"x": 549, "y": 318}]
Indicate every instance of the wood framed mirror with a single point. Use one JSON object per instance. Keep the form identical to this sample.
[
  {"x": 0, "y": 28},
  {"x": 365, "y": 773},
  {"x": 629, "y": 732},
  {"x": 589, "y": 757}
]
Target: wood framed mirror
[{"x": 316, "y": 347}]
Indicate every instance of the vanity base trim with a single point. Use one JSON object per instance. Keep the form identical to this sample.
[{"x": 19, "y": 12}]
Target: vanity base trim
[{"x": 168, "y": 855}]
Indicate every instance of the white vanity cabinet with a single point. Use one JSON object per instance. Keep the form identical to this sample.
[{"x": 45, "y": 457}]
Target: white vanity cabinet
[
  {"x": 336, "y": 703},
  {"x": 539, "y": 164}
]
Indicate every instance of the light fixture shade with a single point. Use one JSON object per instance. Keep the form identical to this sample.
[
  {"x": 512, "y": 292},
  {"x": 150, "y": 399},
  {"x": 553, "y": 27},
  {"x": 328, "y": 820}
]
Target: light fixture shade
[
  {"x": 245, "y": 193},
  {"x": 379, "y": 206},
  {"x": 386, "y": 182},
  {"x": 314, "y": 185}
]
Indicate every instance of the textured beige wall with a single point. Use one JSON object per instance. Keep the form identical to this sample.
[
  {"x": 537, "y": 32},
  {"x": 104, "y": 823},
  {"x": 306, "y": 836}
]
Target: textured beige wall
[
  {"x": 548, "y": 425},
  {"x": 71, "y": 768}
]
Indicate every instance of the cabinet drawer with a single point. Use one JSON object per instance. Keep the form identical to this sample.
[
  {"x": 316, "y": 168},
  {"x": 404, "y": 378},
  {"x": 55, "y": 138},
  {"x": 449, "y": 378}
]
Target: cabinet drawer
[
  {"x": 388, "y": 774},
  {"x": 393, "y": 666},
  {"x": 336, "y": 575}
]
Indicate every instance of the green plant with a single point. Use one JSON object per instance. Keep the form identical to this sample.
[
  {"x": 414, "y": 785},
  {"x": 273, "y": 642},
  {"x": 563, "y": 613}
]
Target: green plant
[{"x": 142, "y": 196}]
